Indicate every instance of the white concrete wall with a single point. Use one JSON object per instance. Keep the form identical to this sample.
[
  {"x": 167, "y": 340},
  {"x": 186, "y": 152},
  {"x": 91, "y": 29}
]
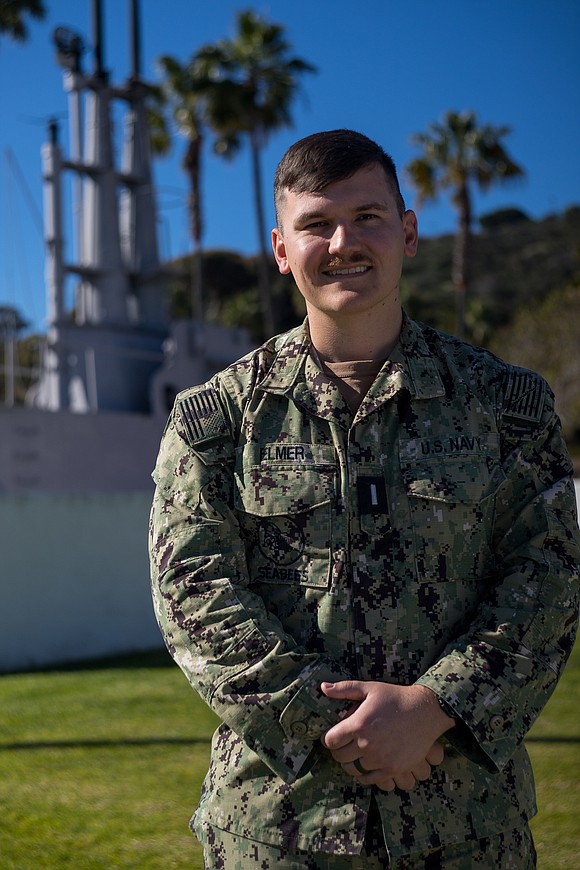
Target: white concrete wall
[
  {"x": 74, "y": 578},
  {"x": 57, "y": 452}
]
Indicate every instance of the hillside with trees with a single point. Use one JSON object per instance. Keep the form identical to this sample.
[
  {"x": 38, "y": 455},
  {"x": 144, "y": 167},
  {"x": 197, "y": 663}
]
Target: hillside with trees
[
  {"x": 525, "y": 297},
  {"x": 517, "y": 263}
]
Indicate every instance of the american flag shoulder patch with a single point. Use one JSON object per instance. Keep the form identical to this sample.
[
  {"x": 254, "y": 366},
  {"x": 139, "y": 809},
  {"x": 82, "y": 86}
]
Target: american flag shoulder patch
[
  {"x": 524, "y": 398},
  {"x": 202, "y": 415}
]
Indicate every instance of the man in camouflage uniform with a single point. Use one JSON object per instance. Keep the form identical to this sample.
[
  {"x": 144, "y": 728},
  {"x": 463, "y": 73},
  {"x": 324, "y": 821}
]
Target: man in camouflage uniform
[{"x": 365, "y": 559}]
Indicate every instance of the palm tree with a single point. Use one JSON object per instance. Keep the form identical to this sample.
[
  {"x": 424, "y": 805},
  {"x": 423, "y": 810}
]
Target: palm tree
[
  {"x": 181, "y": 93},
  {"x": 12, "y": 17},
  {"x": 456, "y": 154},
  {"x": 250, "y": 82}
]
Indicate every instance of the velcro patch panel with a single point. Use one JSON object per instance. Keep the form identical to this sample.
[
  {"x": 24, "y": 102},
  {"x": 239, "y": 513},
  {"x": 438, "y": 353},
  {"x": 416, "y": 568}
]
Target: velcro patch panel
[
  {"x": 202, "y": 415},
  {"x": 524, "y": 399}
]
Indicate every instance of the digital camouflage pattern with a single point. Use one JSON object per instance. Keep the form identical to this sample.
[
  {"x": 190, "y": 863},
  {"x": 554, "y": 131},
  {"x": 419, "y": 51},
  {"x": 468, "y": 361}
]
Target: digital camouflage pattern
[
  {"x": 432, "y": 539},
  {"x": 507, "y": 849}
]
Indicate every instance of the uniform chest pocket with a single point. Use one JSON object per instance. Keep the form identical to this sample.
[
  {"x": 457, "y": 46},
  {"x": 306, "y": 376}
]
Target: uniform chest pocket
[
  {"x": 285, "y": 510},
  {"x": 451, "y": 502}
]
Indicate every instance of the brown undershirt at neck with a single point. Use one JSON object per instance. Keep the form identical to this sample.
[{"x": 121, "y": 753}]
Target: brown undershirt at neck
[{"x": 353, "y": 379}]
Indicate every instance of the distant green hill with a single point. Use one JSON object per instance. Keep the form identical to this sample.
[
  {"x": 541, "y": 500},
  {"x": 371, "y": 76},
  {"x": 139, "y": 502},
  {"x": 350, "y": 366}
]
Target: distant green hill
[{"x": 517, "y": 262}]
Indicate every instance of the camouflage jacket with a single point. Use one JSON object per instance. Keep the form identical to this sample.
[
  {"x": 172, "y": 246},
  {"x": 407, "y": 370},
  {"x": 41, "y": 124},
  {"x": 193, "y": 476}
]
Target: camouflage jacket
[{"x": 432, "y": 539}]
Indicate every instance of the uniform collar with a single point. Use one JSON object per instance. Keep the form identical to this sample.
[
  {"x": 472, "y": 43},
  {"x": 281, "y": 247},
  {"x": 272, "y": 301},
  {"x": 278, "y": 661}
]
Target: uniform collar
[{"x": 295, "y": 373}]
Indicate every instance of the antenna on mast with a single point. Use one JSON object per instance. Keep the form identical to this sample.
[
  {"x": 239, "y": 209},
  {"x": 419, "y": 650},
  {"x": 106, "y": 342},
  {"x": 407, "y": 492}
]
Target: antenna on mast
[
  {"x": 135, "y": 40},
  {"x": 98, "y": 38},
  {"x": 69, "y": 48}
]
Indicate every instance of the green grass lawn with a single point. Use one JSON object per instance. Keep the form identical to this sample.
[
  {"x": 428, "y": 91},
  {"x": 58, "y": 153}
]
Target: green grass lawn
[
  {"x": 554, "y": 746},
  {"x": 101, "y": 767}
]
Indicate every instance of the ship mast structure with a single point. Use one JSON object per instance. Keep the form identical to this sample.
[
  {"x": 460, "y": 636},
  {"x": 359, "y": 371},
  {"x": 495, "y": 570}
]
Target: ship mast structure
[{"x": 103, "y": 355}]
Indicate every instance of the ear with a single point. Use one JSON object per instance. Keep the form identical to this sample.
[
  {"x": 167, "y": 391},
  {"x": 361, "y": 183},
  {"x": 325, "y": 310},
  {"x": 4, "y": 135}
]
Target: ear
[
  {"x": 279, "y": 249},
  {"x": 411, "y": 232}
]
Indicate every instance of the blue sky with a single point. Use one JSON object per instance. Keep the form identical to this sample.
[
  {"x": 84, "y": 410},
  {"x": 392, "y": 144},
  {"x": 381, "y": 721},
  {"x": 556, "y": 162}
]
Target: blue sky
[{"x": 385, "y": 67}]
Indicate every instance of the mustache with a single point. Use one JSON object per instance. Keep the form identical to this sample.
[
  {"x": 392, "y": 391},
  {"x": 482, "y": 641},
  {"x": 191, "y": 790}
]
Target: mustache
[{"x": 335, "y": 262}]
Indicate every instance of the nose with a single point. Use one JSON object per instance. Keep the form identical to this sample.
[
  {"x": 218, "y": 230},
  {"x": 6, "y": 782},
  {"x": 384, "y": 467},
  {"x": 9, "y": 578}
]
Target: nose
[{"x": 343, "y": 240}]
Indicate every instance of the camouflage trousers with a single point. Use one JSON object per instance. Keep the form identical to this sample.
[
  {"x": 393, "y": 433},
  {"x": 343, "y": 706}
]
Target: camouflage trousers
[{"x": 507, "y": 850}]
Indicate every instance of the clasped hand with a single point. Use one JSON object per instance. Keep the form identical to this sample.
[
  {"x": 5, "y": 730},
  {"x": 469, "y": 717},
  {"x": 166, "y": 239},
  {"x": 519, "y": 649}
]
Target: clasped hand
[{"x": 391, "y": 732}]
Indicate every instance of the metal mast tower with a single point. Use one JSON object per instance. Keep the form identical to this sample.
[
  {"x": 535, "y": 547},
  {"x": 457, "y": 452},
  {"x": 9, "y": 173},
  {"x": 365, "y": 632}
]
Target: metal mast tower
[{"x": 103, "y": 355}]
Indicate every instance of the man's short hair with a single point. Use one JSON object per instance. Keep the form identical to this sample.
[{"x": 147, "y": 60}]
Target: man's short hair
[{"x": 316, "y": 161}]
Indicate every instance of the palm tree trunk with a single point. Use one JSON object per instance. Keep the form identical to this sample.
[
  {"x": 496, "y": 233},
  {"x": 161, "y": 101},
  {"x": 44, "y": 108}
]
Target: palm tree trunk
[
  {"x": 263, "y": 279},
  {"x": 461, "y": 258},
  {"x": 192, "y": 165}
]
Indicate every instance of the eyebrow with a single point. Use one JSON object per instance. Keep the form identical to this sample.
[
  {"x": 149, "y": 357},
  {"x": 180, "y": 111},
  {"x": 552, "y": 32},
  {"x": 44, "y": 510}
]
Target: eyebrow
[
  {"x": 376, "y": 205},
  {"x": 307, "y": 216}
]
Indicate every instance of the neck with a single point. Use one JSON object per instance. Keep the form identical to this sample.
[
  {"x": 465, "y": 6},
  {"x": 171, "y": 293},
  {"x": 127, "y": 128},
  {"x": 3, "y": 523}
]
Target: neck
[{"x": 345, "y": 341}]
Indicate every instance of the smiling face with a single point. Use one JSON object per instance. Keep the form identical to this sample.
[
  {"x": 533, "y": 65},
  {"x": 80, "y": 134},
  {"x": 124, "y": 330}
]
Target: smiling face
[{"x": 345, "y": 246}]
